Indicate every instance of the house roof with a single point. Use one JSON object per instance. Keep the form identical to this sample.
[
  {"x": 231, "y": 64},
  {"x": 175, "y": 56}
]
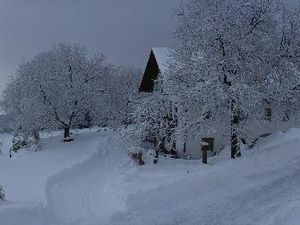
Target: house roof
[
  {"x": 158, "y": 63},
  {"x": 163, "y": 58}
]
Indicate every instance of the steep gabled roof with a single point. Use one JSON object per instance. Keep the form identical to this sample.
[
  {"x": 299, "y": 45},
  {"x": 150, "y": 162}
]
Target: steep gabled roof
[
  {"x": 163, "y": 57},
  {"x": 158, "y": 63}
]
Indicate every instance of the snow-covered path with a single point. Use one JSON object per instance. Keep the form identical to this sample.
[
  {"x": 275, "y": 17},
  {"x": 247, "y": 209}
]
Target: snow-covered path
[
  {"x": 64, "y": 183},
  {"x": 84, "y": 195}
]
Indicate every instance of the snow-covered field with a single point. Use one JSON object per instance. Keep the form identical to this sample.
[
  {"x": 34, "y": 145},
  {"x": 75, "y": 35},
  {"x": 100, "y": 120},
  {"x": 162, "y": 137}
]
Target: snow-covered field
[{"x": 91, "y": 181}]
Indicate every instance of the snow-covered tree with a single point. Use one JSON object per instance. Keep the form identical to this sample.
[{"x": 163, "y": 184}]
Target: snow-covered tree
[
  {"x": 126, "y": 91},
  {"x": 153, "y": 114},
  {"x": 63, "y": 88},
  {"x": 229, "y": 61},
  {"x": 55, "y": 89},
  {"x": 119, "y": 91},
  {"x": 156, "y": 118},
  {"x": 21, "y": 106}
]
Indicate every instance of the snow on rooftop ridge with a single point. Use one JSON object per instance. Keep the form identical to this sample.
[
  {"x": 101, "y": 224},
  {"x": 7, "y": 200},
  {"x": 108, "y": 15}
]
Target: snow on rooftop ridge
[{"x": 163, "y": 57}]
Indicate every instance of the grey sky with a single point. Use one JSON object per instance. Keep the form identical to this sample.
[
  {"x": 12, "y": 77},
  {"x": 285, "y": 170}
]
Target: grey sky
[{"x": 124, "y": 30}]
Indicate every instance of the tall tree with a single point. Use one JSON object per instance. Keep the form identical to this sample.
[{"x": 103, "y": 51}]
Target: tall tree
[
  {"x": 55, "y": 89},
  {"x": 228, "y": 54}
]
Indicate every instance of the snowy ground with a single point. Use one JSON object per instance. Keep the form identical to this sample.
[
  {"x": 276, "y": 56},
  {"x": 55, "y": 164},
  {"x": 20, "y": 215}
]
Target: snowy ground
[{"x": 92, "y": 182}]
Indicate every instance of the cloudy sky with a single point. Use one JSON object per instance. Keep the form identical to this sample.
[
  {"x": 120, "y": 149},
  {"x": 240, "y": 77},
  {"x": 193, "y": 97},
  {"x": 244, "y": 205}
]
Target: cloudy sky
[{"x": 124, "y": 30}]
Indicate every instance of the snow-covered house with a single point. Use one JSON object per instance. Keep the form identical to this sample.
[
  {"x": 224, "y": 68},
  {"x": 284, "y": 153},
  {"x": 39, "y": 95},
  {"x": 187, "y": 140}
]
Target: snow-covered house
[{"x": 190, "y": 140}]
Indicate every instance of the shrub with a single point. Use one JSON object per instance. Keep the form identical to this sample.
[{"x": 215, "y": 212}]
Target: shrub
[
  {"x": 136, "y": 154},
  {"x": 18, "y": 142}
]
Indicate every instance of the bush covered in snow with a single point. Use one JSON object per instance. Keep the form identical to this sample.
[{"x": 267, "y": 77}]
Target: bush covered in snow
[
  {"x": 19, "y": 142},
  {"x": 136, "y": 154}
]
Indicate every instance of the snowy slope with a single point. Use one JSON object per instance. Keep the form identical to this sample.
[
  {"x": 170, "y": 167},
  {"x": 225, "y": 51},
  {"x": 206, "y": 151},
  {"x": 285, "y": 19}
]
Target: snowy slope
[
  {"x": 93, "y": 182},
  {"x": 260, "y": 188}
]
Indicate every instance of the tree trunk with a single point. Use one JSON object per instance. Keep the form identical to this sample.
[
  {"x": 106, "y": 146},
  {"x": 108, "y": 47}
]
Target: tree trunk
[
  {"x": 235, "y": 121},
  {"x": 235, "y": 146},
  {"x": 67, "y": 136}
]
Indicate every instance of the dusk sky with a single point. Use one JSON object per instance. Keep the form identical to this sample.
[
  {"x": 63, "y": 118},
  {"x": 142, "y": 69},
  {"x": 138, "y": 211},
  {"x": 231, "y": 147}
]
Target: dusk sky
[{"x": 124, "y": 30}]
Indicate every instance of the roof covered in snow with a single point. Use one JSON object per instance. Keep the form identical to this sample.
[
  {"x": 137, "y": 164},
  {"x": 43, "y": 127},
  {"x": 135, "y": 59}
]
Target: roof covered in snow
[
  {"x": 163, "y": 57},
  {"x": 158, "y": 63}
]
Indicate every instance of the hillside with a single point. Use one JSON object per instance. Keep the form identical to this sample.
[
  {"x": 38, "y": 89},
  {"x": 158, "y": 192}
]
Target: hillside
[{"x": 92, "y": 181}]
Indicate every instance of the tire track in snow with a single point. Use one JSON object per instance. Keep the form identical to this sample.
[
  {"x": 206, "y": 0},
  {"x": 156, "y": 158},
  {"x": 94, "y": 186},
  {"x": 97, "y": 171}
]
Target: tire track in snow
[{"x": 79, "y": 194}]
